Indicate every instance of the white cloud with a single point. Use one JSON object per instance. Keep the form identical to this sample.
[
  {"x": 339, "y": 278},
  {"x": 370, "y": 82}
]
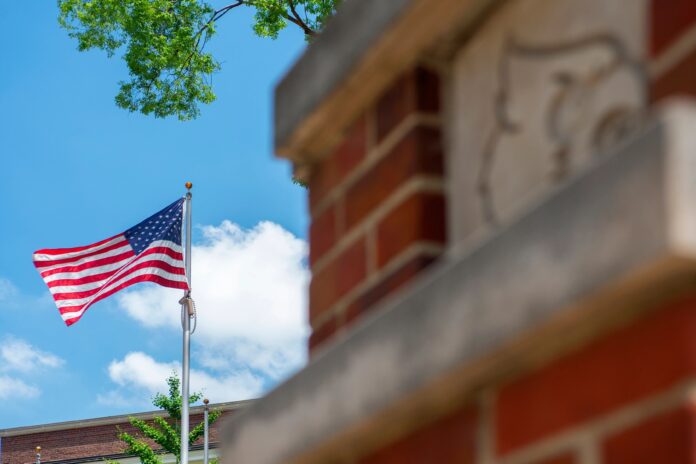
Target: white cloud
[
  {"x": 21, "y": 364},
  {"x": 11, "y": 298},
  {"x": 141, "y": 372},
  {"x": 11, "y": 388},
  {"x": 248, "y": 284},
  {"x": 19, "y": 358},
  {"x": 117, "y": 399},
  {"x": 7, "y": 289},
  {"x": 250, "y": 290},
  {"x": 18, "y": 355}
]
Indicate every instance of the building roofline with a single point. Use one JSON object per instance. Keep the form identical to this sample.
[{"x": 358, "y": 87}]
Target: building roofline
[
  {"x": 108, "y": 420},
  {"x": 213, "y": 446}
]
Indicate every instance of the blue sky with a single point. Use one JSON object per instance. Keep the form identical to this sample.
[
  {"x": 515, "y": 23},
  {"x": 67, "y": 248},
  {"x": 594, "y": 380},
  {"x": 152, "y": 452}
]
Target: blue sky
[{"x": 77, "y": 169}]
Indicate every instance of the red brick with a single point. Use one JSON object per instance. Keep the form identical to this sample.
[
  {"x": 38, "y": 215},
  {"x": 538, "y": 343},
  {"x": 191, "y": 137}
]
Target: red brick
[
  {"x": 451, "y": 439},
  {"x": 648, "y": 356},
  {"x": 418, "y": 153},
  {"x": 323, "y": 333},
  {"x": 89, "y": 441},
  {"x": 353, "y": 149},
  {"x": 339, "y": 277},
  {"x": 569, "y": 458},
  {"x": 387, "y": 286},
  {"x": 330, "y": 172},
  {"x": 322, "y": 234},
  {"x": 667, "y": 438},
  {"x": 420, "y": 218},
  {"x": 679, "y": 80},
  {"x": 418, "y": 90},
  {"x": 668, "y": 20}
]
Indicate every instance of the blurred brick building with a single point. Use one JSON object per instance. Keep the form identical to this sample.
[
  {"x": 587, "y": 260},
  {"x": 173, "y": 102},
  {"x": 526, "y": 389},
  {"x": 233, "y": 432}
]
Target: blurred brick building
[
  {"x": 94, "y": 440},
  {"x": 503, "y": 236}
]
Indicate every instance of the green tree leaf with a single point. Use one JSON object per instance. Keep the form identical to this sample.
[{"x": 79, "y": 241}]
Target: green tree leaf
[
  {"x": 163, "y": 43},
  {"x": 166, "y": 433}
]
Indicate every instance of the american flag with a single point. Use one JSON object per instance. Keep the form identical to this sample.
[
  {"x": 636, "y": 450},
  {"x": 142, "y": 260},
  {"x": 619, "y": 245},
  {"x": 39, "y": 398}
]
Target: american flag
[{"x": 148, "y": 252}]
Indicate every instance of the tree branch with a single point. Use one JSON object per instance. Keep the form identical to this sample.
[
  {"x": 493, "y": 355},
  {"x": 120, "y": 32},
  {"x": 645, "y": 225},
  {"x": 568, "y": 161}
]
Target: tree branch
[
  {"x": 297, "y": 19},
  {"x": 200, "y": 36},
  {"x": 217, "y": 14}
]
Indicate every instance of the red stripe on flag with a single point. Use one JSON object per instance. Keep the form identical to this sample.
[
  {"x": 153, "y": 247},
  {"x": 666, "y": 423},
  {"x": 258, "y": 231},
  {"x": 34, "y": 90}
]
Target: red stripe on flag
[
  {"x": 53, "y": 262},
  {"x": 143, "y": 278},
  {"x": 96, "y": 263},
  {"x": 60, "y": 251},
  {"x": 82, "y": 280},
  {"x": 105, "y": 275},
  {"x": 141, "y": 265}
]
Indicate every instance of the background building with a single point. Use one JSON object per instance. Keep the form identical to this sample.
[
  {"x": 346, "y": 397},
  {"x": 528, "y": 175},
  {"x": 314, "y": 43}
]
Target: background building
[
  {"x": 94, "y": 440},
  {"x": 503, "y": 236}
]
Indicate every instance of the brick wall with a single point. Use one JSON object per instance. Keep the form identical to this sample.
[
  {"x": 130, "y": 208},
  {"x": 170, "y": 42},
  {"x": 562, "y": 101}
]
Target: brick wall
[
  {"x": 377, "y": 205},
  {"x": 628, "y": 398},
  {"x": 378, "y": 220},
  {"x": 673, "y": 47},
  {"x": 76, "y": 443},
  {"x": 450, "y": 439},
  {"x": 604, "y": 395}
]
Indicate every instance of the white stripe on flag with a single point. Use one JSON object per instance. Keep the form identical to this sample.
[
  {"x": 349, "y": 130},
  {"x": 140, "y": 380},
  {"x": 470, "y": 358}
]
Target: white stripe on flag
[
  {"x": 117, "y": 251},
  {"x": 160, "y": 257},
  {"x": 50, "y": 257},
  {"x": 120, "y": 280},
  {"x": 110, "y": 267}
]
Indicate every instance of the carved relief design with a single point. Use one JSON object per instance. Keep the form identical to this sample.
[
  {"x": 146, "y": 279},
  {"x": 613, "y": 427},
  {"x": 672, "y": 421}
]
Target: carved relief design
[{"x": 580, "y": 111}]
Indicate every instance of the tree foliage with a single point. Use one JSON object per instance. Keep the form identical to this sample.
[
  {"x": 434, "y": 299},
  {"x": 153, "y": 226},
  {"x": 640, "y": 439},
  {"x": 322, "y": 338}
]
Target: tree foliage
[
  {"x": 163, "y": 43},
  {"x": 164, "y": 432}
]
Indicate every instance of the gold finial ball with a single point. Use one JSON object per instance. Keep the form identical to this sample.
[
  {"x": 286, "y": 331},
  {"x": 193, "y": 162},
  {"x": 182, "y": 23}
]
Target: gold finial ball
[
  {"x": 188, "y": 185},
  {"x": 205, "y": 401}
]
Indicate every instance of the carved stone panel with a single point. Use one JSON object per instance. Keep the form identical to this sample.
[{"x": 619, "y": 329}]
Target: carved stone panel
[{"x": 542, "y": 89}]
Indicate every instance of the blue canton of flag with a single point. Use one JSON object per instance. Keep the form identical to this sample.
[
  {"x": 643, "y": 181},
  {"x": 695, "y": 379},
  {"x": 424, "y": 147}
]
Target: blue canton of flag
[{"x": 165, "y": 225}]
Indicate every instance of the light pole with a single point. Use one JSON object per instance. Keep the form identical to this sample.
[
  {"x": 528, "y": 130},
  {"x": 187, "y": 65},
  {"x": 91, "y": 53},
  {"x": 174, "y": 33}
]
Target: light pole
[{"x": 205, "y": 431}]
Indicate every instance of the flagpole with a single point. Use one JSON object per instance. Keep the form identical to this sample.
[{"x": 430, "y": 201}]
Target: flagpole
[{"x": 186, "y": 314}]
